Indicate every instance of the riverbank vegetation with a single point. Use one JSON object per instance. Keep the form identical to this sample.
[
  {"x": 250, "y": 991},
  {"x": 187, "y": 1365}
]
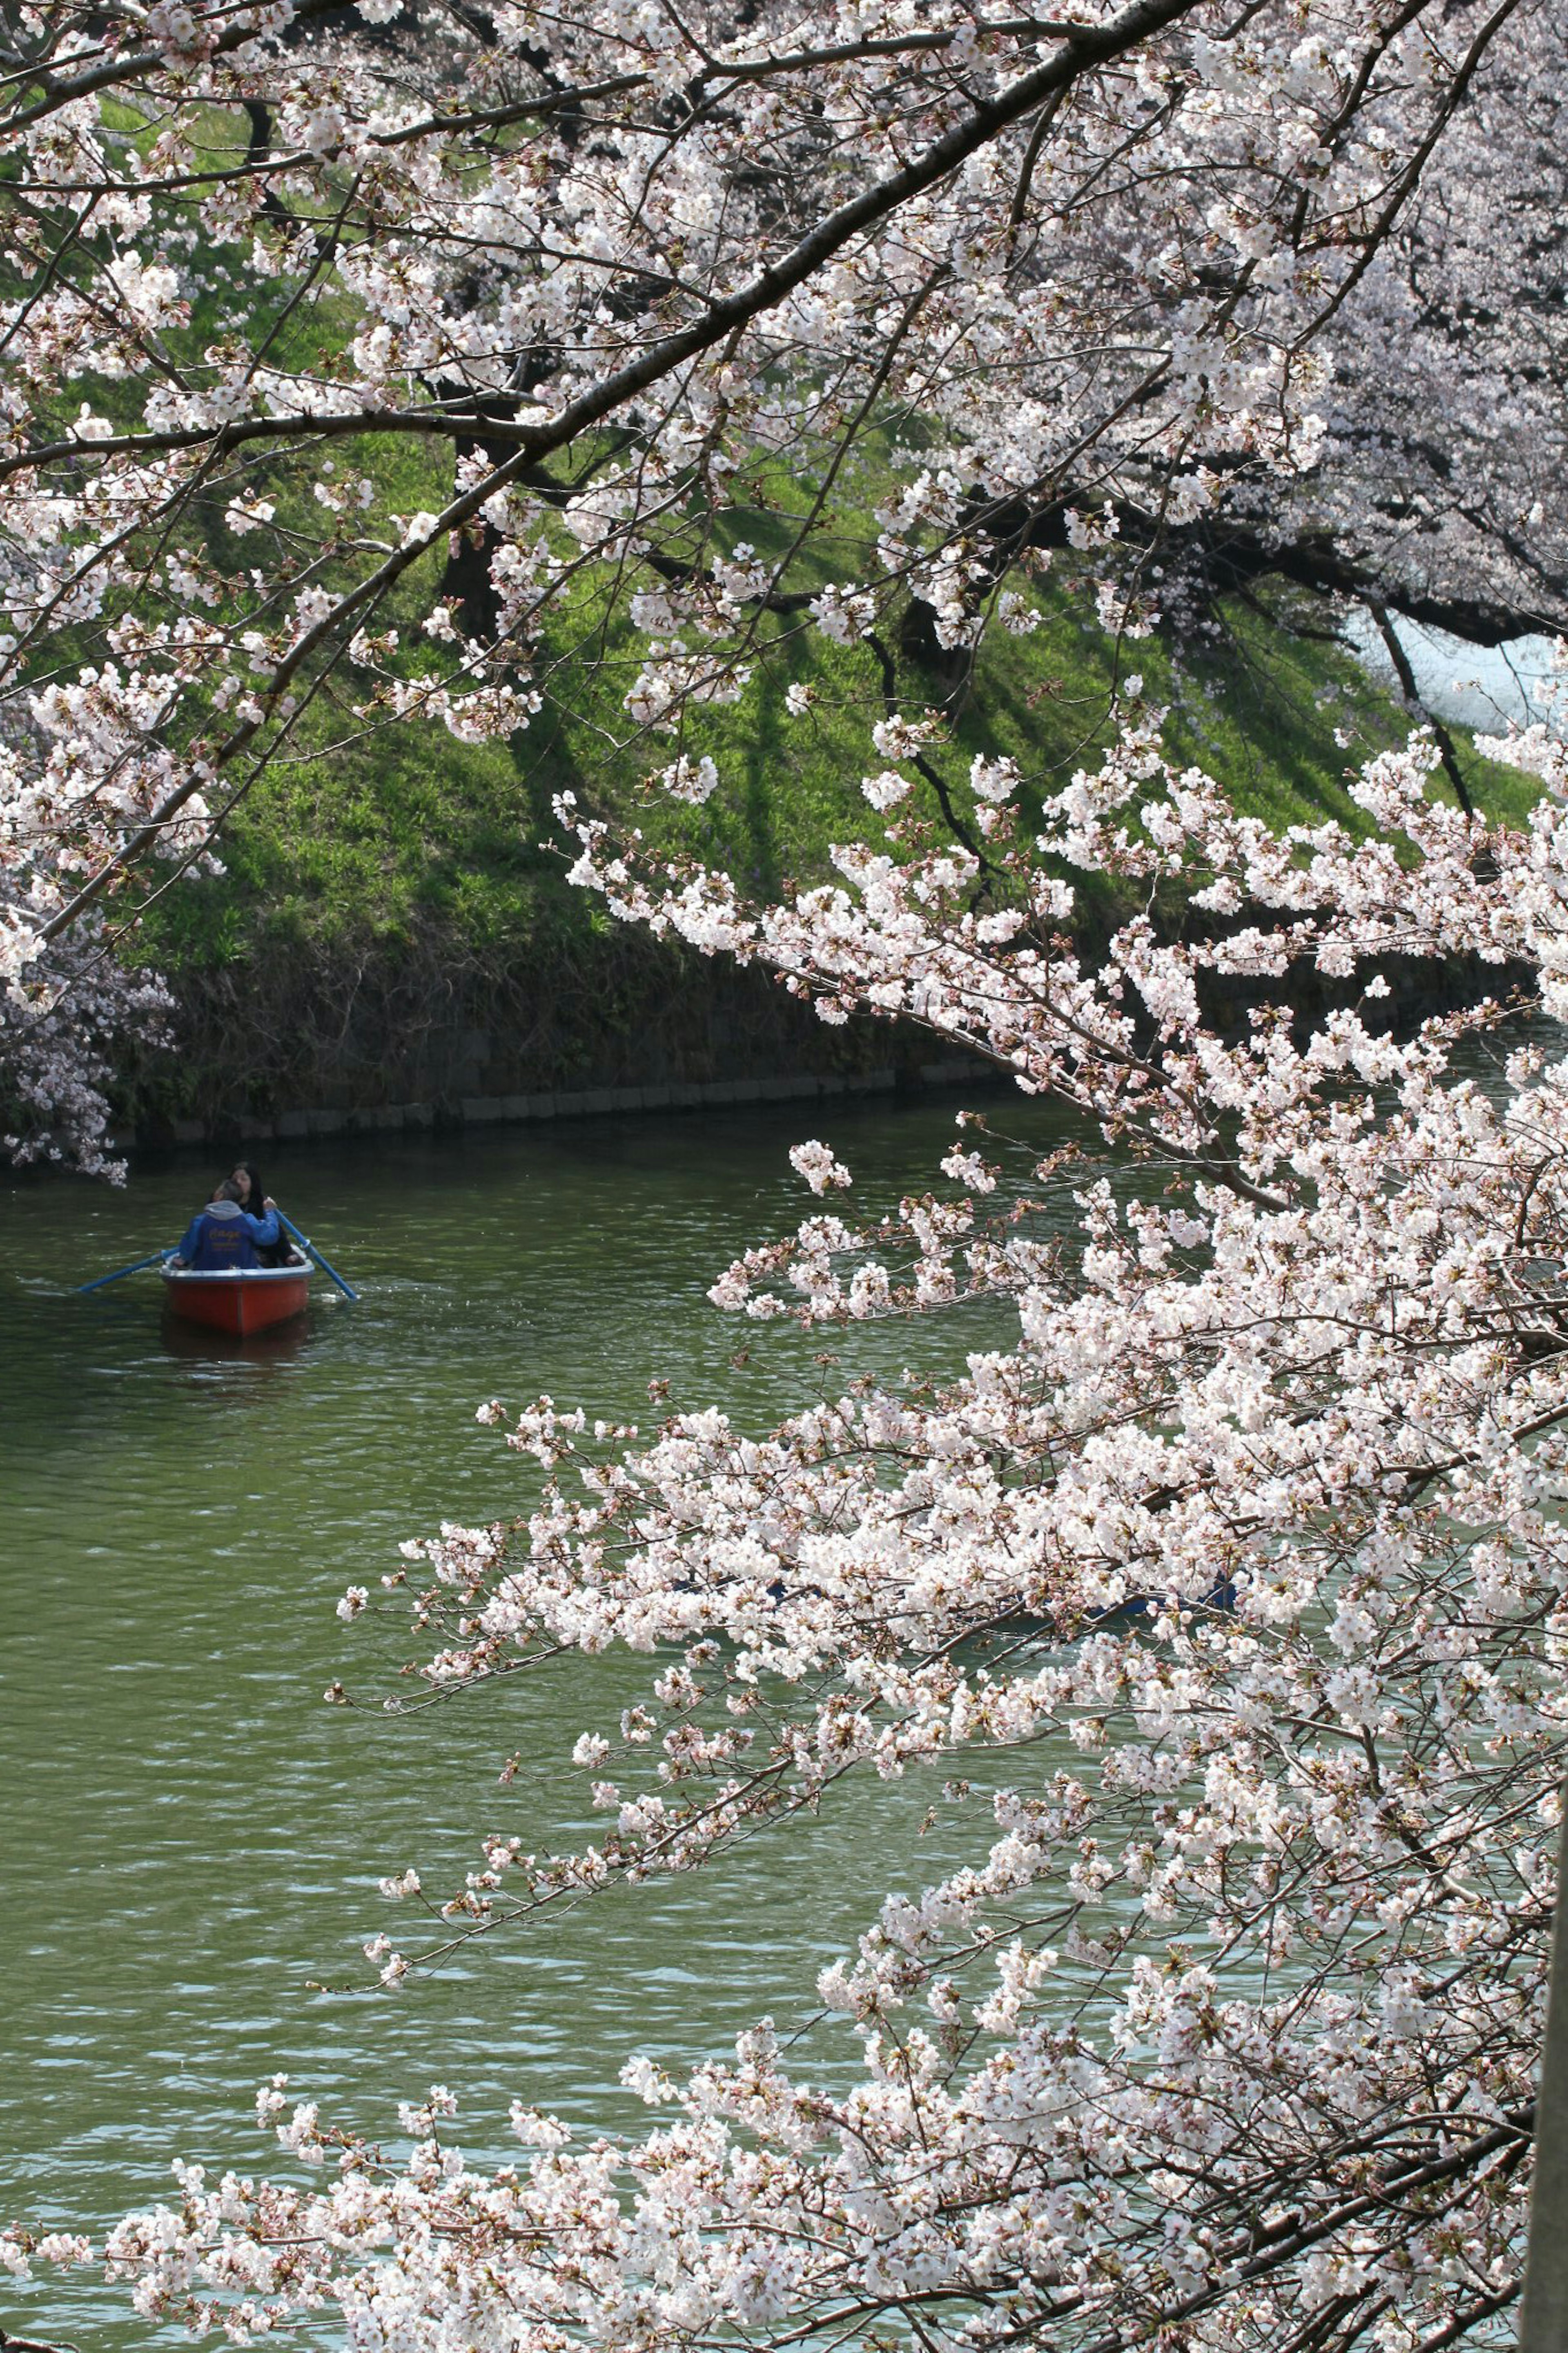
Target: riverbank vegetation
[{"x": 393, "y": 922}]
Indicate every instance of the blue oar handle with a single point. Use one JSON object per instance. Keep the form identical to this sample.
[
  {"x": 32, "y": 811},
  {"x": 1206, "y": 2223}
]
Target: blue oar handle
[
  {"x": 311, "y": 1251},
  {"x": 135, "y": 1267}
]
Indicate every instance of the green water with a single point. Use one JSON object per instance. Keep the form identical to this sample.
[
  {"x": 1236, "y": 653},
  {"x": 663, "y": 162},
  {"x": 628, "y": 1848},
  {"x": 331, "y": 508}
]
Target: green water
[{"x": 190, "y": 1839}]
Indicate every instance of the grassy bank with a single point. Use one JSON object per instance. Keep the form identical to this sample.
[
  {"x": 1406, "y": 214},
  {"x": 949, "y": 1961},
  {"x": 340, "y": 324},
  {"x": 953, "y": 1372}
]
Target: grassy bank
[{"x": 393, "y": 921}]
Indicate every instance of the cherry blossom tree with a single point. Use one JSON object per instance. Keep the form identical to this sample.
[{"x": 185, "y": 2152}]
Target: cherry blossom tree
[
  {"x": 1226, "y": 2034},
  {"x": 68, "y": 1024},
  {"x": 367, "y": 368},
  {"x": 1447, "y": 418}
]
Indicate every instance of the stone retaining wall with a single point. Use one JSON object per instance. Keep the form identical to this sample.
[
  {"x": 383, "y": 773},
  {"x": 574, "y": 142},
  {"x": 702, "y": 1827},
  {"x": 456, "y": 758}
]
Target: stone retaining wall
[{"x": 587, "y": 1103}]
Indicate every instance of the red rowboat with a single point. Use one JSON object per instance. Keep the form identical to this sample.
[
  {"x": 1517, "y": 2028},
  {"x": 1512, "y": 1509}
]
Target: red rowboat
[{"x": 237, "y": 1299}]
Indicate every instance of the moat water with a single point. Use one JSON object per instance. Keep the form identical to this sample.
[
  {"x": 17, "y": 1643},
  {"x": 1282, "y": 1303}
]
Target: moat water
[{"x": 191, "y": 1838}]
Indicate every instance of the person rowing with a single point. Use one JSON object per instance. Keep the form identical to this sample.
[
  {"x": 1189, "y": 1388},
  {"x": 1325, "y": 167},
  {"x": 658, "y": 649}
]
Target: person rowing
[
  {"x": 243, "y": 1228},
  {"x": 225, "y": 1237}
]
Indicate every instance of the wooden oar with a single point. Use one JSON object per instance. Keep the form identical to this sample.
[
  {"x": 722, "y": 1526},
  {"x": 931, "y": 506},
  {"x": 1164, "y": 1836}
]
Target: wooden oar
[
  {"x": 311, "y": 1251},
  {"x": 135, "y": 1267}
]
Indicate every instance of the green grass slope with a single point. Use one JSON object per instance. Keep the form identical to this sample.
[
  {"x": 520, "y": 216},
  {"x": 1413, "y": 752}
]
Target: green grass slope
[{"x": 391, "y": 891}]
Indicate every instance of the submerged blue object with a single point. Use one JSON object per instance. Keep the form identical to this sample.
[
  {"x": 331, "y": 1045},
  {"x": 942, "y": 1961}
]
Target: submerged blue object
[{"x": 1222, "y": 1596}]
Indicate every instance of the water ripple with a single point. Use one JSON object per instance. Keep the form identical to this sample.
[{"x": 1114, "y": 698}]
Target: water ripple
[{"x": 191, "y": 1840}]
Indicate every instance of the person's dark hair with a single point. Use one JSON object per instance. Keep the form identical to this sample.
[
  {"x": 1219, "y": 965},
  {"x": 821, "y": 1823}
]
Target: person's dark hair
[
  {"x": 278, "y": 1253},
  {"x": 227, "y": 1191}
]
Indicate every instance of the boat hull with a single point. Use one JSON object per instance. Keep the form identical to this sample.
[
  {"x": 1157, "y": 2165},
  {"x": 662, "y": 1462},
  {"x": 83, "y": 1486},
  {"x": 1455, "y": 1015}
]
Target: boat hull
[{"x": 250, "y": 1299}]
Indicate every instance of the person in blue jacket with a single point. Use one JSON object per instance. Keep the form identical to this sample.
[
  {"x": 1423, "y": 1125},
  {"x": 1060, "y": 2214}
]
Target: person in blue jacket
[{"x": 224, "y": 1235}]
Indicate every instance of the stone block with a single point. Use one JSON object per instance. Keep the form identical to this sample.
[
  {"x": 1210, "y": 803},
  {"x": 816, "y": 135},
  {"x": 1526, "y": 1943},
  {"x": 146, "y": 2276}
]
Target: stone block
[
  {"x": 418, "y": 1115},
  {"x": 481, "y": 1110},
  {"x": 293, "y": 1124},
  {"x": 326, "y": 1123},
  {"x": 624, "y": 1098},
  {"x": 541, "y": 1106},
  {"x": 657, "y": 1098}
]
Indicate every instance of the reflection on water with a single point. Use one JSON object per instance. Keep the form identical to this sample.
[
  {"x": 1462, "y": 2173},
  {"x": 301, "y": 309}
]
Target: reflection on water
[
  {"x": 191, "y": 1838},
  {"x": 198, "y": 1344}
]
